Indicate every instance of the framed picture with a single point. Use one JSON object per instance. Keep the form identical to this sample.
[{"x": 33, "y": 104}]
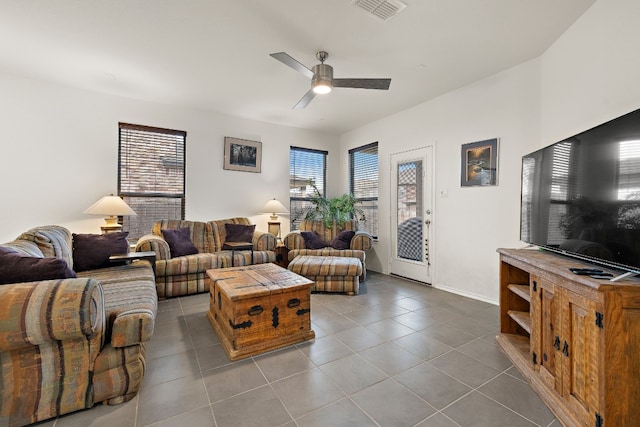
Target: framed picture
[
  {"x": 242, "y": 155},
  {"x": 479, "y": 163}
]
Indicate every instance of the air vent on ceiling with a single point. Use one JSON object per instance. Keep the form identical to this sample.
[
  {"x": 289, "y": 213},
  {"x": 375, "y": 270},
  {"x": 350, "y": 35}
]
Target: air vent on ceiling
[{"x": 382, "y": 9}]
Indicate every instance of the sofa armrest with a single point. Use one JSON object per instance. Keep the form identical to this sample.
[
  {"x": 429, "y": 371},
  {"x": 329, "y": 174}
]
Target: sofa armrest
[
  {"x": 132, "y": 327},
  {"x": 36, "y": 313},
  {"x": 294, "y": 240},
  {"x": 155, "y": 243},
  {"x": 263, "y": 241},
  {"x": 362, "y": 241}
]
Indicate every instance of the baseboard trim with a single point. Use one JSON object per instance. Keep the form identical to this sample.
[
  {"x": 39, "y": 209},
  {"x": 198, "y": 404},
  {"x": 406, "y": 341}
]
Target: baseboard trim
[{"x": 466, "y": 294}]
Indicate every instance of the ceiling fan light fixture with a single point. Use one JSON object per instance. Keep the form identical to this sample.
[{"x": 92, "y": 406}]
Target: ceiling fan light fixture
[
  {"x": 322, "y": 81},
  {"x": 321, "y": 87}
]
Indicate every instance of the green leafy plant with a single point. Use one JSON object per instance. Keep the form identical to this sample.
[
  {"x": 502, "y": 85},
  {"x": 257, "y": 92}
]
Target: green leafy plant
[{"x": 331, "y": 210}]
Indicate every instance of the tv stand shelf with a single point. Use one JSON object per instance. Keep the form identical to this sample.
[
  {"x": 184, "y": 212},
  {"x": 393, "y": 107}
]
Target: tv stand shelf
[{"x": 575, "y": 339}]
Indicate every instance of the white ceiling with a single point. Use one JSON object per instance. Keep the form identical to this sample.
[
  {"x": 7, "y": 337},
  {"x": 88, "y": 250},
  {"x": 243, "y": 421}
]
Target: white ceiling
[{"x": 214, "y": 54}]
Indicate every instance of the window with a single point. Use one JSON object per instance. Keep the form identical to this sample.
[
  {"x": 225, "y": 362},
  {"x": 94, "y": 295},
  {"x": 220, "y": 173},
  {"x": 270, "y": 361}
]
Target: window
[
  {"x": 363, "y": 184},
  {"x": 151, "y": 175},
  {"x": 307, "y": 171}
]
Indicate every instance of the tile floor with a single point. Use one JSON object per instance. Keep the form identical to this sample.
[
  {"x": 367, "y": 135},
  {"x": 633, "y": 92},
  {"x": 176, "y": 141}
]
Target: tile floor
[{"x": 398, "y": 354}]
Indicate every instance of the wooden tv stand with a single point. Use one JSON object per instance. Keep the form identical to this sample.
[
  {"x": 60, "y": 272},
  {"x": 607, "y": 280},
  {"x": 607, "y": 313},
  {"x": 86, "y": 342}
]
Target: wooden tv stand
[{"x": 575, "y": 339}]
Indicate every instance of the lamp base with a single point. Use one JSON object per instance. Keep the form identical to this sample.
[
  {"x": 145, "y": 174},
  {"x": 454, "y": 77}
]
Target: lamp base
[
  {"x": 111, "y": 225},
  {"x": 274, "y": 228}
]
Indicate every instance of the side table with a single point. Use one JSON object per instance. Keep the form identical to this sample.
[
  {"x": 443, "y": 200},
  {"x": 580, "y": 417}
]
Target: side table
[
  {"x": 282, "y": 256},
  {"x": 238, "y": 246},
  {"x": 131, "y": 256}
]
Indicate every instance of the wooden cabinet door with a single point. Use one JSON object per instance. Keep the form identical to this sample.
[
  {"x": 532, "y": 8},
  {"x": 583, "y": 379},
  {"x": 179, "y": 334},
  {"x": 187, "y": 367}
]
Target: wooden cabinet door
[
  {"x": 580, "y": 356},
  {"x": 545, "y": 332}
]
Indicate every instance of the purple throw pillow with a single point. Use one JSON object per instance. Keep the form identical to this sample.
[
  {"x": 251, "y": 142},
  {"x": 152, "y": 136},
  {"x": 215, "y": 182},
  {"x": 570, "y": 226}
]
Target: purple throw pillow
[
  {"x": 239, "y": 232},
  {"x": 15, "y": 268},
  {"x": 93, "y": 250},
  {"x": 179, "y": 241},
  {"x": 312, "y": 240},
  {"x": 343, "y": 240}
]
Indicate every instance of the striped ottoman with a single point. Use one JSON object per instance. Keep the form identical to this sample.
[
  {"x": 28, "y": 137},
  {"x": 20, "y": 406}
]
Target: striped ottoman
[{"x": 330, "y": 273}]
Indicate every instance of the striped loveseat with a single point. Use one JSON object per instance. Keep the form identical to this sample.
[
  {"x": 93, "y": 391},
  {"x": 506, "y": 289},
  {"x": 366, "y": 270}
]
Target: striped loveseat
[
  {"x": 186, "y": 275},
  {"x": 360, "y": 242},
  {"x": 70, "y": 343}
]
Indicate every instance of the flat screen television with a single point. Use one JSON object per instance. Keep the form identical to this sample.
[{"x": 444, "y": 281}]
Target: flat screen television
[{"x": 581, "y": 196}]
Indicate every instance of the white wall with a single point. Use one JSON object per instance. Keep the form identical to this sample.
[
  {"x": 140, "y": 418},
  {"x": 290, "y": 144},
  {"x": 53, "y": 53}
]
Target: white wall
[
  {"x": 592, "y": 73},
  {"x": 471, "y": 222},
  {"x": 60, "y": 155},
  {"x": 589, "y": 76}
]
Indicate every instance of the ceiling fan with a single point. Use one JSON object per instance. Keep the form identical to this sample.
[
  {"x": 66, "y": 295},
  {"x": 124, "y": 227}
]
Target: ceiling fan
[{"x": 322, "y": 80}]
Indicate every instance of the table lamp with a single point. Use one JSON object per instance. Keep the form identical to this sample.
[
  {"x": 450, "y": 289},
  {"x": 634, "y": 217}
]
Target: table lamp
[
  {"x": 274, "y": 208},
  {"x": 113, "y": 207}
]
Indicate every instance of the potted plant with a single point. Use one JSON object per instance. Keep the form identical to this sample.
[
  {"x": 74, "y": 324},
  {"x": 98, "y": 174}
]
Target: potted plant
[{"x": 336, "y": 210}]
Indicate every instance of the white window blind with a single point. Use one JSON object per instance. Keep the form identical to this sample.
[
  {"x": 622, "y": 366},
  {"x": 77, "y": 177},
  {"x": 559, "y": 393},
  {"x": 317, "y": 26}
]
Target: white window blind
[
  {"x": 563, "y": 187},
  {"x": 307, "y": 168},
  {"x": 363, "y": 184},
  {"x": 151, "y": 175},
  {"x": 629, "y": 170}
]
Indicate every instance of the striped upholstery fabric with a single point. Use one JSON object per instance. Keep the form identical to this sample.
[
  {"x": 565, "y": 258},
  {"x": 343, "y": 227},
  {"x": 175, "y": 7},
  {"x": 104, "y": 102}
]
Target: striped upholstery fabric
[
  {"x": 53, "y": 241},
  {"x": 359, "y": 243},
  {"x": 118, "y": 373},
  {"x": 154, "y": 243},
  {"x": 68, "y": 344},
  {"x": 330, "y": 273},
  {"x": 51, "y": 334},
  {"x": 261, "y": 241},
  {"x": 200, "y": 232},
  {"x": 187, "y": 275},
  {"x": 219, "y": 231},
  {"x": 330, "y": 252},
  {"x": 242, "y": 258},
  {"x": 130, "y": 303},
  {"x": 184, "y": 275}
]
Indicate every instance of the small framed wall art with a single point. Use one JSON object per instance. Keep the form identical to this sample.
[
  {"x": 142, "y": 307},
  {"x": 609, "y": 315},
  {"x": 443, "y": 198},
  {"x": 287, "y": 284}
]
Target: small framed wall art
[
  {"x": 479, "y": 163},
  {"x": 242, "y": 155}
]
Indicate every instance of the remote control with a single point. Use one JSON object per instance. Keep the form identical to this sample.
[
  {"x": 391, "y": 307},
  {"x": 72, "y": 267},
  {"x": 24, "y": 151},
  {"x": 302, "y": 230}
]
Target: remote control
[
  {"x": 601, "y": 276},
  {"x": 585, "y": 271}
]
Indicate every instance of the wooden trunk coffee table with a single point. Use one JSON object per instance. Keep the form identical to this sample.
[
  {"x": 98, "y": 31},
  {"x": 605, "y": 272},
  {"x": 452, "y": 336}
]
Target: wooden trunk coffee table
[{"x": 258, "y": 308}]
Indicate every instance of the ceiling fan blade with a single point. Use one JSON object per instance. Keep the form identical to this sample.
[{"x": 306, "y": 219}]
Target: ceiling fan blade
[
  {"x": 382, "y": 84},
  {"x": 306, "y": 99},
  {"x": 286, "y": 59}
]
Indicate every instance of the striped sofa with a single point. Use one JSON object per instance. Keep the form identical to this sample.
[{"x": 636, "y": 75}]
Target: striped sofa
[
  {"x": 68, "y": 344},
  {"x": 361, "y": 242},
  {"x": 186, "y": 275}
]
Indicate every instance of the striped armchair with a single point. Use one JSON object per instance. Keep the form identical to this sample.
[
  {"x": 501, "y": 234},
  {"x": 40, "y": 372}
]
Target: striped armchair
[{"x": 360, "y": 242}]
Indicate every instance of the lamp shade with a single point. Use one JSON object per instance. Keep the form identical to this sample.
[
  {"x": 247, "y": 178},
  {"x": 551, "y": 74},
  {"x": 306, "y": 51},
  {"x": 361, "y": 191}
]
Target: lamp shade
[
  {"x": 273, "y": 206},
  {"x": 110, "y": 205},
  {"x": 113, "y": 207}
]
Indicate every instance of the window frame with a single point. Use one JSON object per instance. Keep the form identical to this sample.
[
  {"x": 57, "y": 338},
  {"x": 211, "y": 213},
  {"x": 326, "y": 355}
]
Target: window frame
[
  {"x": 182, "y": 165},
  {"x": 352, "y": 183},
  {"x": 292, "y": 199}
]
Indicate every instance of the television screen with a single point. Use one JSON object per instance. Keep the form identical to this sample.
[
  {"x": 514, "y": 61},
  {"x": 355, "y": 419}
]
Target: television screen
[{"x": 581, "y": 196}]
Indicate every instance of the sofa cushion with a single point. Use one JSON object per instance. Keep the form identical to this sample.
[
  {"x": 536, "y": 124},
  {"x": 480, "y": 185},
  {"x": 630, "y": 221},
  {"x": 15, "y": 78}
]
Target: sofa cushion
[
  {"x": 239, "y": 232},
  {"x": 179, "y": 241},
  {"x": 15, "y": 268},
  {"x": 92, "y": 251},
  {"x": 312, "y": 240},
  {"x": 343, "y": 239}
]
